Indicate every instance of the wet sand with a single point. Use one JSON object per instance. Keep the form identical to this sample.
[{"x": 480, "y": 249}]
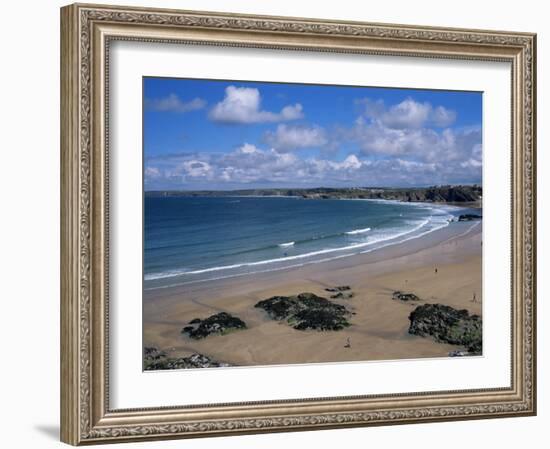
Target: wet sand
[{"x": 379, "y": 326}]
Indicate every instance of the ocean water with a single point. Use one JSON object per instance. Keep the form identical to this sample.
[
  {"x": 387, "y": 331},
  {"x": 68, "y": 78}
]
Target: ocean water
[{"x": 198, "y": 239}]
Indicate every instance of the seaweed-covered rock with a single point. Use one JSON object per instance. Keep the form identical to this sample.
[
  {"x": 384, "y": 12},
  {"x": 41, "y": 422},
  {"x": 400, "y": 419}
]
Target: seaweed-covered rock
[
  {"x": 339, "y": 288},
  {"x": 469, "y": 217},
  {"x": 447, "y": 325},
  {"x": 342, "y": 295},
  {"x": 306, "y": 311},
  {"x": 405, "y": 296},
  {"x": 458, "y": 353},
  {"x": 220, "y": 323},
  {"x": 151, "y": 353},
  {"x": 193, "y": 361}
]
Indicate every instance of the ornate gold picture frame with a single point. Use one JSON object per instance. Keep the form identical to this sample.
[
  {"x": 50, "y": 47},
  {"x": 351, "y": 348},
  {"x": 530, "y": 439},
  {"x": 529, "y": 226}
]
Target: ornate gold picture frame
[{"x": 87, "y": 33}]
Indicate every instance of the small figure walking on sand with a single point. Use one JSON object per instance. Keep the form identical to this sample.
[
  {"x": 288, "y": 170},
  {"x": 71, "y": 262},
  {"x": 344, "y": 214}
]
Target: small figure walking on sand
[
  {"x": 348, "y": 343},
  {"x": 474, "y": 298},
  {"x": 435, "y": 270}
]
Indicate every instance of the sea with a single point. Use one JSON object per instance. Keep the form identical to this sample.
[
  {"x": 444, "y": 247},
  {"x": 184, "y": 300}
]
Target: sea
[{"x": 199, "y": 239}]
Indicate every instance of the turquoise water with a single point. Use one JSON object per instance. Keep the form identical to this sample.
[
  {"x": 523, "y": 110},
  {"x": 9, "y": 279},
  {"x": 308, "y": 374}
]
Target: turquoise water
[{"x": 199, "y": 239}]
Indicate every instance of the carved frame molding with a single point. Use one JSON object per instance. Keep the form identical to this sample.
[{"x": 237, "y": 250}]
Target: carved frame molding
[{"x": 87, "y": 31}]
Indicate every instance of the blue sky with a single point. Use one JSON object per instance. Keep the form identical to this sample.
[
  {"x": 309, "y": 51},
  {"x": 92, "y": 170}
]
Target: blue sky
[{"x": 207, "y": 134}]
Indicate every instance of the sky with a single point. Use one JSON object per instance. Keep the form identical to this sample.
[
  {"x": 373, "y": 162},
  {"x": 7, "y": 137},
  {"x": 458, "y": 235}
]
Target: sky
[{"x": 224, "y": 135}]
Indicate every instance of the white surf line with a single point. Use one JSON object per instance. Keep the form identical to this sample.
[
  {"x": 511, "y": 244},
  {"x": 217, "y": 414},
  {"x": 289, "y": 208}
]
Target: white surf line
[
  {"x": 327, "y": 259},
  {"x": 229, "y": 276},
  {"x": 288, "y": 258},
  {"x": 358, "y": 231}
]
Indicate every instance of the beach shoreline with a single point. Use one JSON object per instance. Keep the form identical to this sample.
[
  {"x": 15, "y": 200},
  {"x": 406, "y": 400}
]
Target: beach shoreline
[
  {"x": 439, "y": 215},
  {"x": 379, "y": 325}
]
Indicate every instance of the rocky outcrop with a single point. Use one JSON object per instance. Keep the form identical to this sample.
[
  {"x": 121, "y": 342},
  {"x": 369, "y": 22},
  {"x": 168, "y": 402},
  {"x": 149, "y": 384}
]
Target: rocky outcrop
[
  {"x": 218, "y": 324},
  {"x": 306, "y": 311},
  {"x": 458, "y": 353},
  {"x": 339, "y": 288},
  {"x": 161, "y": 362},
  {"x": 151, "y": 354},
  {"x": 447, "y": 325},
  {"x": 342, "y": 295},
  {"x": 405, "y": 297},
  {"x": 469, "y": 217},
  {"x": 340, "y": 292}
]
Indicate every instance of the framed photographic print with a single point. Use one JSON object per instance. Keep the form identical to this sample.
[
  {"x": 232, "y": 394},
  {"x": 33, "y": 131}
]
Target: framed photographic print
[{"x": 278, "y": 224}]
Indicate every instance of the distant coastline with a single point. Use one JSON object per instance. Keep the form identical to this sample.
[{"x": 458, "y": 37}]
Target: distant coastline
[{"x": 434, "y": 194}]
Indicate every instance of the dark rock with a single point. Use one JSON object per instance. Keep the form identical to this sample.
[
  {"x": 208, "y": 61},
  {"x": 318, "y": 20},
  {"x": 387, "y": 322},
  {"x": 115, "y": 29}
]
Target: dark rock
[
  {"x": 152, "y": 353},
  {"x": 306, "y": 311},
  {"x": 220, "y": 323},
  {"x": 320, "y": 319},
  {"x": 458, "y": 353},
  {"x": 447, "y": 325},
  {"x": 469, "y": 217},
  {"x": 340, "y": 288},
  {"x": 342, "y": 295},
  {"x": 193, "y": 361},
  {"x": 278, "y": 307},
  {"x": 405, "y": 296}
]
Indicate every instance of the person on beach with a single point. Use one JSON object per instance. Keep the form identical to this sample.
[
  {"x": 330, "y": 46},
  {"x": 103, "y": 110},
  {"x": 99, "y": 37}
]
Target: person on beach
[{"x": 435, "y": 270}]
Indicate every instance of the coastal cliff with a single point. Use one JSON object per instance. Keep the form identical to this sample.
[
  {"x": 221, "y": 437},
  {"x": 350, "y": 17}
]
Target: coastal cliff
[{"x": 439, "y": 194}]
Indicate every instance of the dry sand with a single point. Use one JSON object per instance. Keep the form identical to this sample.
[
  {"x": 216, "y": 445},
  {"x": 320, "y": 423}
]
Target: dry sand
[{"x": 379, "y": 327}]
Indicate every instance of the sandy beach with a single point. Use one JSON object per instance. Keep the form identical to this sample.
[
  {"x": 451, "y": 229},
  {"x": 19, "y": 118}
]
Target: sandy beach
[{"x": 379, "y": 325}]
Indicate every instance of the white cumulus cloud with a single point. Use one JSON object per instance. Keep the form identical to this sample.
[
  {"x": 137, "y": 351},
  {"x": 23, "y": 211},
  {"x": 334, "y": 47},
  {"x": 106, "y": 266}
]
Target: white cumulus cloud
[
  {"x": 251, "y": 166},
  {"x": 407, "y": 144},
  {"x": 422, "y": 144},
  {"x": 442, "y": 117},
  {"x": 243, "y": 105},
  {"x": 196, "y": 169},
  {"x": 408, "y": 114},
  {"x": 287, "y": 138}
]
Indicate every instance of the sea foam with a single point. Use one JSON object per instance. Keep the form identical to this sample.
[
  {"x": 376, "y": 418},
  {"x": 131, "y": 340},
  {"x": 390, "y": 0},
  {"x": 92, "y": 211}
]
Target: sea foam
[{"x": 358, "y": 231}]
